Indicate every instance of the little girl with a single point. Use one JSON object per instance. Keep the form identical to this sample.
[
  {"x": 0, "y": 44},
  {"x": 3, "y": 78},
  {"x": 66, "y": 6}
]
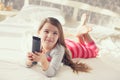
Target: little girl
[{"x": 56, "y": 49}]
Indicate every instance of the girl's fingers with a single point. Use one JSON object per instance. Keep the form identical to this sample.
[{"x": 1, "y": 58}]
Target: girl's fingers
[
  {"x": 31, "y": 59},
  {"x": 29, "y": 55},
  {"x": 37, "y": 53},
  {"x": 44, "y": 51}
]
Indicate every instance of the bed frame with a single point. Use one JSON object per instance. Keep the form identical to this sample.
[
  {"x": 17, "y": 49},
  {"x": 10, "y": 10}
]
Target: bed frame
[{"x": 79, "y": 5}]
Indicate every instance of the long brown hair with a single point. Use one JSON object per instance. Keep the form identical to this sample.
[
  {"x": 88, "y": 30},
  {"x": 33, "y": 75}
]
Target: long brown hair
[{"x": 67, "y": 60}]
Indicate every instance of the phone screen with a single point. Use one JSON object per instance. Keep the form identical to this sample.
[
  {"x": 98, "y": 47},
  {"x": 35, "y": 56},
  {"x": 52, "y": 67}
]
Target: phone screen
[{"x": 36, "y": 44}]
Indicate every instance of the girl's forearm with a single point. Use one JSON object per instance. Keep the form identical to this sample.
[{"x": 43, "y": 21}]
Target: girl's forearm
[{"x": 45, "y": 65}]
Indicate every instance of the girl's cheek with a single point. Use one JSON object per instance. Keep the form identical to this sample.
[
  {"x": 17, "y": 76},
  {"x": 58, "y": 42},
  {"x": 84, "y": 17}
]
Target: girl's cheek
[{"x": 43, "y": 36}]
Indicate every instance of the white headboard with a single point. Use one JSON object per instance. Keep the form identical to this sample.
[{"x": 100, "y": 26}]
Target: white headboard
[
  {"x": 79, "y": 5},
  {"x": 26, "y": 2}
]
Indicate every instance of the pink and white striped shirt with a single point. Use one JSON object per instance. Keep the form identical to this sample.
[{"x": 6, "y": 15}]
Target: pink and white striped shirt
[{"x": 83, "y": 50}]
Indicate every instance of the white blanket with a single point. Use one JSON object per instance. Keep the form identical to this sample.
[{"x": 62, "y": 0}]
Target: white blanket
[
  {"x": 12, "y": 67},
  {"x": 15, "y": 41},
  {"x": 13, "y": 55}
]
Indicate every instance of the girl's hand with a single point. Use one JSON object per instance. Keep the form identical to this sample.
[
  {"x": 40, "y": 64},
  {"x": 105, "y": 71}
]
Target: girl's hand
[
  {"x": 39, "y": 56},
  {"x": 30, "y": 56},
  {"x": 29, "y": 59}
]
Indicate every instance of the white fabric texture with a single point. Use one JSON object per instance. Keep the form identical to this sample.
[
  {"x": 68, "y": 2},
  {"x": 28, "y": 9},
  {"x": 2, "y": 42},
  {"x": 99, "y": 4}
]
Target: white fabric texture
[
  {"x": 33, "y": 14},
  {"x": 12, "y": 66},
  {"x": 16, "y": 40},
  {"x": 12, "y": 59}
]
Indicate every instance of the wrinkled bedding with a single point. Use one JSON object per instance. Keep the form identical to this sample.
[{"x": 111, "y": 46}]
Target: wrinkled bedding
[
  {"x": 15, "y": 40},
  {"x": 12, "y": 66},
  {"x": 14, "y": 46}
]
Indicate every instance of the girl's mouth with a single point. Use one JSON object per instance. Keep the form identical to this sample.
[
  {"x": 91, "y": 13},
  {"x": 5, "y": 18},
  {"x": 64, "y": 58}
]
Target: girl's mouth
[{"x": 49, "y": 41}]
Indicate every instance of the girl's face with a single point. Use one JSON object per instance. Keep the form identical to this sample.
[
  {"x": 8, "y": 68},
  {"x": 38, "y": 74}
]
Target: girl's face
[{"x": 49, "y": 36}]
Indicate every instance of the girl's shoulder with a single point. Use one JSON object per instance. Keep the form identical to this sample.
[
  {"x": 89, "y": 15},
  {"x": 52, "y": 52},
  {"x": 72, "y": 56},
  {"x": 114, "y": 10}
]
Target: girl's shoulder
[
  {"x": 59, "y": 47},
  {"x": 57, "y": 50}
]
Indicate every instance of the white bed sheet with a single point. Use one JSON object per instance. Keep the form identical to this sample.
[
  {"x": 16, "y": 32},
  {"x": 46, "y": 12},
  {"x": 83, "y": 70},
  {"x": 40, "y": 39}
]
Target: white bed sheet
[
  {"x": 15, "y": 43},
  {"x": 13, "y": 56},
  {"x": 12, "y": 67}
]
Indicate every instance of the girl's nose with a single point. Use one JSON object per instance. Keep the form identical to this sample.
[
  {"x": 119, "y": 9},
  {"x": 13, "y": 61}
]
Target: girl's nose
[{"x": 50, "y": 35}]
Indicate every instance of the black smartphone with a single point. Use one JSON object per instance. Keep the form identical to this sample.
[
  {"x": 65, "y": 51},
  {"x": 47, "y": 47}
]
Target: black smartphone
[{"x": 36, "y": 44}]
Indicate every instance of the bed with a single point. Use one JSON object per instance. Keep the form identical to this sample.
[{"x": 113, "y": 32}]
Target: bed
[{"x": 15, "y": 41}]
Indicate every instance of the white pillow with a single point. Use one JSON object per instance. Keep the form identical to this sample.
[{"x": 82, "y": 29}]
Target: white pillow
[
  {"x": 100, "y": 32},
  {"x": 35, "y": 13}
]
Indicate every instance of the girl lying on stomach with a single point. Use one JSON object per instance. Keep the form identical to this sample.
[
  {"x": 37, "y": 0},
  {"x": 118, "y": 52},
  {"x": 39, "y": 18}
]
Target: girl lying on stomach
[{"x": 56, "y": 49}]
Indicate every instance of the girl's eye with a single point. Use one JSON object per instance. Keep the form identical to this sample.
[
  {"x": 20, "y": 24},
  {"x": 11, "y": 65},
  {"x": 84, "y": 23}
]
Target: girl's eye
[
  {"x": 46, "y": 31},
  {"x": 55, "y": 33}
]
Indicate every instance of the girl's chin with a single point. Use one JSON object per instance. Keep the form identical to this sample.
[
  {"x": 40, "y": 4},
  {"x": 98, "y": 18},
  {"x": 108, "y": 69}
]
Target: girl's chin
[{"x": 48, "y": 46}]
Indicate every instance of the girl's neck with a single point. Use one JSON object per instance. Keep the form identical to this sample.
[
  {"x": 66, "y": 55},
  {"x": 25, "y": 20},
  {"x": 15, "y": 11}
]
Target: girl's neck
[{"x": 48, "y": 49}]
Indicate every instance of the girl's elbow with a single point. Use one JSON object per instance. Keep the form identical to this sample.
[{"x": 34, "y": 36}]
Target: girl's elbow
[{"x": 52, "y": 74}]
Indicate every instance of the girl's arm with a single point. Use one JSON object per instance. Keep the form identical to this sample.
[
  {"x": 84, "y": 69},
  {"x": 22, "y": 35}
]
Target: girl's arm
[
  {"x": 43, "y": 60},
  {"x": 50, "y": 68},
  {"x": 41, "y": 57},
  {"x": 57, "y": 55},
  {"x": 37, "y": 57}
]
